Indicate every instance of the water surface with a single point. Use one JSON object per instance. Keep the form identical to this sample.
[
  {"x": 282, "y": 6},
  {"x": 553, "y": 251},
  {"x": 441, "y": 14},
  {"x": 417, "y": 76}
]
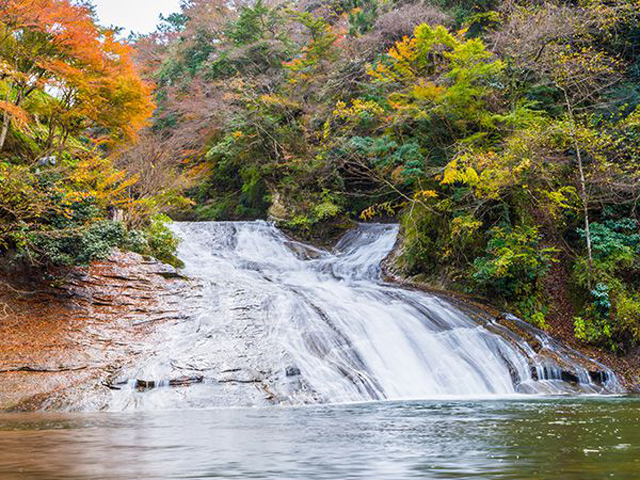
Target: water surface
[{"x": 588, "y": 437}]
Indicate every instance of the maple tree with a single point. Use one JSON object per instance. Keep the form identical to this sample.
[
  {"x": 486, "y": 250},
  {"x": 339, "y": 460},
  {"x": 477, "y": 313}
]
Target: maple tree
[{"x": 80, "y": 73}]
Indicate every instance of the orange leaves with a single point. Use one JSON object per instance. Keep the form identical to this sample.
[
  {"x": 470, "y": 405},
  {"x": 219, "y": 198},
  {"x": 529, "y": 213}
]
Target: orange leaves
[
  {"x": 55, "y": 47},
  {"x": 19, "y": 116},
  {"x": 69, "y": 27},
  {"x": 97, "y": 178}
]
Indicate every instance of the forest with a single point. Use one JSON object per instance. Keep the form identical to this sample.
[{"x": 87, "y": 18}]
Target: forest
[{"x": 503, "y": 135}]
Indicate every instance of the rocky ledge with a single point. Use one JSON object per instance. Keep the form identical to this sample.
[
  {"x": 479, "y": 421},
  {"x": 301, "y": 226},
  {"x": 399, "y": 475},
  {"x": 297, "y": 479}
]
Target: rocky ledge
[{"x": 59, "y": 340}]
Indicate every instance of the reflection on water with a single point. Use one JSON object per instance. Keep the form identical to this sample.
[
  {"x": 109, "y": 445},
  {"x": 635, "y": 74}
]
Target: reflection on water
[{"x": 550, "y": 438}]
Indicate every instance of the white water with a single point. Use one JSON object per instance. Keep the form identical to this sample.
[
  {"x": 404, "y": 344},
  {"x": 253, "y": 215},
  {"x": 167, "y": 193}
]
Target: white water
[{"x": 290, "y": 323}]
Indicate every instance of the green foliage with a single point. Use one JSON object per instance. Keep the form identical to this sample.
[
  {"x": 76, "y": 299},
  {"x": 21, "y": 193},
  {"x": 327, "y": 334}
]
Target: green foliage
[
  {"x": 322, "y": 208},
  {"x": 627, "y": 315},
  {"x": 614, "y": 238},
  {"x": 616, "y": 245},
  {"x": 593, "y": 329},
  {"x": 58, "y": 216},
  {"x": 362, "y": 15},
  {"x": 72, "y": 246},
  {"x": 611, "y": 320},
  {"x": 157, "y": 240},
  {"x": 611, "y": 315},
  {"x": 405, "y": 160},
  {"x": 50, "y": 226},
  {"x": 514, "y": 262},
  {"x": 327, "y": 209}
]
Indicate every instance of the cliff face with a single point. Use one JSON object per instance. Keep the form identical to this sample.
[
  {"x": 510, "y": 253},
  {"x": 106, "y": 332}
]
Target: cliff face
[{"x": 59, "y": 342}]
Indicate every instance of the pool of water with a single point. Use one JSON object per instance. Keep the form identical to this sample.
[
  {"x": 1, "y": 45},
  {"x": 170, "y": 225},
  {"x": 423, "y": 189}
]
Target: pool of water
[{"x": 560, "y": 438}]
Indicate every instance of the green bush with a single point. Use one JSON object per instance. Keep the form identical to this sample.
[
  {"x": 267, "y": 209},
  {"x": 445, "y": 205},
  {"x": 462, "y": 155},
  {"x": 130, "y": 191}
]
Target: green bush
[
  {"x": 513, "y": 264},
  {"x": 611, "y": 316},
  {"x": 627, "y": 314},
  {"x": 593, "y": 329},
  {"x": 72, "y": 246},
  {"x": 157, "y": 241}
]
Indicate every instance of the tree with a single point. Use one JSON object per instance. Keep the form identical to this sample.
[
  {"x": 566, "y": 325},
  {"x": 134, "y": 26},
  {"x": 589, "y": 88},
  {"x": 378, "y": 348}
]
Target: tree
[{"x": 83, "y": 76}]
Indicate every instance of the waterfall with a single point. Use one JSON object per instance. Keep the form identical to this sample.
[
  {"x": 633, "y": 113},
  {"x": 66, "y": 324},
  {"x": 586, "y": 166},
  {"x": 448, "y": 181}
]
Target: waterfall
[{"x": 290, "y": 323}]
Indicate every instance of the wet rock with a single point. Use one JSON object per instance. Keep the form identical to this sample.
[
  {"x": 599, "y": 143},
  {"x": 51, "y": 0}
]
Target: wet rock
[
  {"x": 241, "y": 376},
  {"x": 292, "y": 371},
  {"x": 278, "y": 211},
  {"x": 171, "y": 275},
  {"x": 175, "y": 382},
  {"x": 569, "y": 377},
  {"x": 304, "y": 252}
]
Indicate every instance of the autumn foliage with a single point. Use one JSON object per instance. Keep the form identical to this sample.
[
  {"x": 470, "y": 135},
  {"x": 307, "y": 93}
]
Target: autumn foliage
[
  {"x": 82, "y": 75},
  {"x": 70, "y": 93},
  {"x": 502, "y": 134}
]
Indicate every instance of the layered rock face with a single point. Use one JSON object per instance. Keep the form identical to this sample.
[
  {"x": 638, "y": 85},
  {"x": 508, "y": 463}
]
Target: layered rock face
[{"x": 61, "y": 344}]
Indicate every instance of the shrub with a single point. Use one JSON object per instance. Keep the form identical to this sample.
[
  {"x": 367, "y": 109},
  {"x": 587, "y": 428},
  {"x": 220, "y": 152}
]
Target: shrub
[
  {"x": 514, "y": 262},
  {"x": 592, "y": 329},
  {"x": 615, "y": 248},
  {"x": 70, "y": 247},
  {"x": 157, "y": 241},
  {"x": 611, "y": 316},
  {"x": 627, "y": 314}
]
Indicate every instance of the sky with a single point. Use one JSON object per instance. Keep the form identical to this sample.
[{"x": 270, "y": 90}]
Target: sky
[{"x": 140, "y": 16}]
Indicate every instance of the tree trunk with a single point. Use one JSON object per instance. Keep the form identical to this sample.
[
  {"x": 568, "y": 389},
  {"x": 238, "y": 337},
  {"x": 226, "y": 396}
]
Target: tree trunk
[
  {"x": 583, "y": 190},
  {"x": 6, "y": 121}
]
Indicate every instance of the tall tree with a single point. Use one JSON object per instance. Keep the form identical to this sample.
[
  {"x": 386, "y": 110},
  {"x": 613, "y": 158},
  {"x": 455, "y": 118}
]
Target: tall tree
[{"x": 85, "y": 75}]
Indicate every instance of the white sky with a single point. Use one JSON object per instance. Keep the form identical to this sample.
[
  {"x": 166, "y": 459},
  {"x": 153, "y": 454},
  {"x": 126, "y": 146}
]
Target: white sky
[{"x": 140, "y": 16}]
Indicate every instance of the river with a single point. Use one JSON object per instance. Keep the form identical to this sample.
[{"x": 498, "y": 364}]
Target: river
[{"x": 519, "y": 438}]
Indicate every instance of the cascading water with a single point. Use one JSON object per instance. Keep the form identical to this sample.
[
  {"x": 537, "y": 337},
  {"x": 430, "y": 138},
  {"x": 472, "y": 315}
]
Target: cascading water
[{"x": 283, "y": 322}]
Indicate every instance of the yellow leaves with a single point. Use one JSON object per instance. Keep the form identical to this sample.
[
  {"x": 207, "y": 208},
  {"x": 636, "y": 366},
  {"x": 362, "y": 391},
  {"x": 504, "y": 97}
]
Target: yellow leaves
[
  {"x": 464, "y": 226},
  {"x": 376, "y": 210},
  {"x": 610, "y": 15},
  {"x": 583, "y": 67},
  {"x": 486, "y": 172},
  {"x": 426, "y": 91},
  {"x": 470, "y": 176},
  {"x": 237, "y": 135},
  {"x": 326, "y": 130},
  {"x": 455, "y": 174},
  {"x": 278, "y": 101},
  {"x": 358, "y": 108},
  {"x": 22, "y": 201},
  {"x": 450, "y": 173},
  {"x": 436, "y": 74},
  {"x": 565, "y": 198},
  {"x": 425, "y": 194},
  {"x": 382, "y": 73},
  {"x": 405, "y": 54},
  {"x": 633, "y": 120},
  {"x": 96, "y": 177}
]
